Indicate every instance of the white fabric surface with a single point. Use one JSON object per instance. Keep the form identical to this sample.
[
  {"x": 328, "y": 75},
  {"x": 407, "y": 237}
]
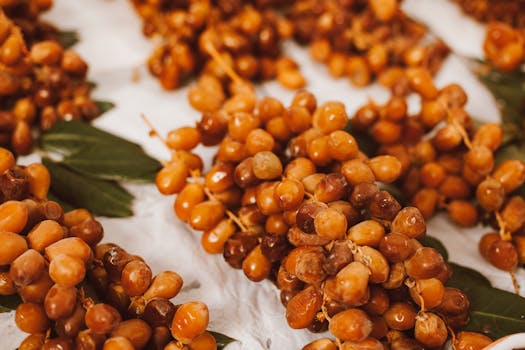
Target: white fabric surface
[{"x": 112, "y": 44}]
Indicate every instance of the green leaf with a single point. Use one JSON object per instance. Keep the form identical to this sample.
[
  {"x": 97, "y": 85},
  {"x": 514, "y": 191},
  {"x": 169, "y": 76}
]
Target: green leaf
[
  {"x": 466, "y": 279},
  {"x": 114, "y": 164},
  {"x": 429, "y": 241},
  {"x": 68, "y": 38},
  {"x": 222, "y": 340},
  {"x": 104, "y": 106},
  {"x": 96, "y": 153},
  {"x": 67, "y": 137},
  {"x": 9, "y": 303},
  {"x": 495, "y": 312},
  {"x": 507, "y": 87},
  {"x": 101, "y": 197},
  {"x": 511, "y": 151}
]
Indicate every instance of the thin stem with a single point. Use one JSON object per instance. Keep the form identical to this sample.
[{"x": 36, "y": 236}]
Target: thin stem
[
  {"x": 237, "y": 221},
  {"x": 217, "y": 57},
  {"x": 461, "y": 130},
  {"x": 411, "y": 284},
  {"x": 323, "y": 308},
  {"x": 153, "y": 132},
  {"x": 515, "y": 282},
  {"x": 504, "y": 235},
  {"x": 453, "y": 336}
]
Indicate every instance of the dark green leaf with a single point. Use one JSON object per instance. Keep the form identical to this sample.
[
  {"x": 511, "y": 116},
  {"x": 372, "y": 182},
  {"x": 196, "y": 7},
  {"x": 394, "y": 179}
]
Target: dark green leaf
[
  {"x": 104, "y": 106},
  {"x": 9, "y": 302},
  {"x": 466, "y": 279},
  {"x": 74, "y": 136},
  {"x": 68, "y": 38},
  {"x": 92, "y": 84},
  {"x": 99, "y": 154},
  {"x": 101, "y": 197},
  {"x": 512, "y": 132},
  {"x": 511, "y": 151},
  {"x": 507, "y": 87},
  {"x": 113, "y": 164},
  {"x": 495, "y": 312},
  {"x": 429, "y": 241},
  {"x": 222, "y": 340}
]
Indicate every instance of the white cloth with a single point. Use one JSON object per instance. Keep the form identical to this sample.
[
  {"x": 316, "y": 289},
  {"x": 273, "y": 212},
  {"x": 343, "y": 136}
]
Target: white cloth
[{"x": 112, "y": 44}]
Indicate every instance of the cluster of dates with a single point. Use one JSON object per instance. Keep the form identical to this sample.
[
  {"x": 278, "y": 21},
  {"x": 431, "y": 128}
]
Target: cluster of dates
[
  {"x": 364, "y": 40},
  {"x": 52, "y": 260},
  {"x": 247, "y": 35},
  {"x": 41, "y": 82},
  {"x": 291, "y": 197},
  {"x": 510, "y": 12},
  {"x": 361, "y": 39},
  {"x": 449, "y": 164},
  {"x": 504, "y": 46}
]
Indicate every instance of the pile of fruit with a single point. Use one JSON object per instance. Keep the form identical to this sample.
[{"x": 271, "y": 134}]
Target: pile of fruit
[
  {"x": 53, "y": 260},
  {"x": 358, "y": 39},
  {"x": 291, "y": 197},
  {"x": 504, "y": 46},
  {"x": 41, "y": 82},
  {"x": 246, "y": 36},
  {"x": 329, "y": 206},
  {"x": 365, "y": 39},
  {"x": 511, "y": 12}
]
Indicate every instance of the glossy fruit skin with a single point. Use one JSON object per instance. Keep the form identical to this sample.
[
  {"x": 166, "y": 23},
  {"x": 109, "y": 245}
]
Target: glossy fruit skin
[
  {"x": 425, "y": 263},
  {"x": 31, "y": 318},
  {"x": 172, "y": 178},
  {"x": 102, "y": 318},
  {"x": 471, "y": 341},
  {"x": 13, "y": 245},
  {"x": 166, "y": 284},
  {"x": 13, "y": 216},
  {"x": 303, "y": 307},
  {"x": 60, "y": 302},
  {"x": 136, "y": 331},
  {"x": 351, "y": 325},
  {"x": 256, "y": 265},
  {"x": 27, "y": 268},
  {"x": 430, "y": 329},
  {"x": 350, "y": 285},
  {"x": 190, "y": 321},
  {"x": 66, "y": 270},
  {"x": 400, "y": 316},
  {"x": 136, "y": 277}
]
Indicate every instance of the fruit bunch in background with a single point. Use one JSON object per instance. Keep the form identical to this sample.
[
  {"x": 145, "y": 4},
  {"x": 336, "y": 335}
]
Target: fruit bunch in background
[
  {"x": 366, "y": 40},
  {"x": 247, "y": 36},
  {"x": 41, "y": 81}
]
